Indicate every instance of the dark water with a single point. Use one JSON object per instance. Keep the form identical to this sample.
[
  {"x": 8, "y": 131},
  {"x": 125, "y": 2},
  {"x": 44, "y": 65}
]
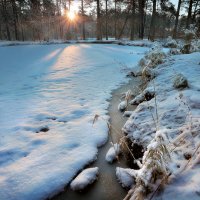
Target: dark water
[{"x": 107, "y": 186}]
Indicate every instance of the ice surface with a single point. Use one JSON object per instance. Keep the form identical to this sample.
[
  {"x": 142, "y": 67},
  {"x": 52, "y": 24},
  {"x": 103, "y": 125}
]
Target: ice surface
[{"x": 49, "y": 95}]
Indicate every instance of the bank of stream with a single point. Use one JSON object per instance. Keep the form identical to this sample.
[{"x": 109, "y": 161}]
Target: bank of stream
[{"x": 107, "y": 187}]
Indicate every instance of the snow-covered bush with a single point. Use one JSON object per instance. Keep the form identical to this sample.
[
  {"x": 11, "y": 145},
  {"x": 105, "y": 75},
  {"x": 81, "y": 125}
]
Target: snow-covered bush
[
  {"x": 148, "y": 73},
  {"x": 153, "y": 58},
  {"x": 190, "y": 34},
  {"x": 180, "y": 81},
  {"x": 192, "y": 44},
  {"x": 171, "y": 43},
  {"x": 174, "y": 51},
  {"x": 195, "y": 45},
  {"x": 154, "y": 166}
]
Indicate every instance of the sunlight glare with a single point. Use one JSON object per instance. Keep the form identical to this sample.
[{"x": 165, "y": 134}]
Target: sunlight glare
[{"x": 71, "y": 15}]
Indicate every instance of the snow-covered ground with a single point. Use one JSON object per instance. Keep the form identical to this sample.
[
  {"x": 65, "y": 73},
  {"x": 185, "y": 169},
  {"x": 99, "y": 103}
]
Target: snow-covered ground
[
  {"x": 49, "y": 95},
  {"x": 178, "y": 117}
]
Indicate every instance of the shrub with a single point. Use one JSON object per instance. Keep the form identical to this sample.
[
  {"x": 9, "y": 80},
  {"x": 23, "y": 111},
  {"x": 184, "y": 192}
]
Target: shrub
[
  {"x": 190, "y": 45},
  {"x": 154, "y": 166},
  {"x": 171, "y": 43},
  {"x": 180, "y": 81},
  {"x": 153, "y": 57}
]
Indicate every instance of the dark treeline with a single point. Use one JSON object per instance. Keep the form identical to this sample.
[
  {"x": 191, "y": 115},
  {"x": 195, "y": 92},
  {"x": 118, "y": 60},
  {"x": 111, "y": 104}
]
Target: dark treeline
[{"x": 133, "y": 19}]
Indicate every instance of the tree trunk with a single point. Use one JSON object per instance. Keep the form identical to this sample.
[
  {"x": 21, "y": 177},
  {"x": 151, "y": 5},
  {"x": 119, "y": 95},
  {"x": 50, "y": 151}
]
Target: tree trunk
[
  {"x": 124, "y": 25},
  {"x": 106, "y": 19},
  {"x": 115, "y": 19},
  {"x": 1, "y": 38},
  {"x": 152, "y": 25},
  {"x": 176, "y": 21},
  {"x": 15, "y": 18},
  {"x": 132, "y": 20},
  {"x": 83, "y": 20},
  {"x": 20, "y": 21},
  {"x": 188, "y": 22},
  {"x": 99, "y": 37},
  {"x": 6, "y": 19},
  {"x": 141, "y": 18}
]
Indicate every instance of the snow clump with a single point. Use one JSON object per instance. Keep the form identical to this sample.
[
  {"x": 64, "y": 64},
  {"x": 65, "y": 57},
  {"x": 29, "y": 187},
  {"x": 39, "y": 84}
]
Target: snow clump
[
  {"x": 85, "y": 178},
  {"x": 124, "y": 177},
  {"x": 124, "y": 104},
  {"x": 113, "y": 153}
]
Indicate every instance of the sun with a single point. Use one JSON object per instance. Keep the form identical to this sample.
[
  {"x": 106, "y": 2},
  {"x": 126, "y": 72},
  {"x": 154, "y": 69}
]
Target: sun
[{"x": 71, "y": 15}]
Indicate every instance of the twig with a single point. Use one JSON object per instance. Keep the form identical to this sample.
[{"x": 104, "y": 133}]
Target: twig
[{"x": 162, "y": 181}]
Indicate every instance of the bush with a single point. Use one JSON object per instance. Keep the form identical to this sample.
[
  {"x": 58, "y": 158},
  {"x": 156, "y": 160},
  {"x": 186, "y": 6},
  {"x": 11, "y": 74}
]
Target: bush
[
  {"x": 191, "y": 45},
  {"x": 174, "y": 51},
  {"x": 154, "y": 166},
  {"x": 171, "y": 43},
  {"x": 153, "y": 58},
  {"x": 180, "y": 81}
]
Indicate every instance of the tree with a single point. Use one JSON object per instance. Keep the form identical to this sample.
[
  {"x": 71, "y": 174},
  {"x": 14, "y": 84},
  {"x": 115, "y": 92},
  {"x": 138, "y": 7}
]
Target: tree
[
  {"x": 189, "y": 16},
  {"x": 5, "y": 17},
  {"x": 176, "y": 20},
  {"x": 106, "y": 19},
  {"x": 115, "y": 29},
  {"x": 141, "y": 4},
  {"x": 153, "y": 19},
  {"x": 132, "y": 19},
  {"x": 15, "y": 18},
  {"x": 83, "y": 19},
  {"x": 99, "y": 36}
]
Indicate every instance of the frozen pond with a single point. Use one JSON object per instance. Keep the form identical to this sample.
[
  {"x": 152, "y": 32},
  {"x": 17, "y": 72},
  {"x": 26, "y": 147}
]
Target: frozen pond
[{"x": 49, "y": 95}]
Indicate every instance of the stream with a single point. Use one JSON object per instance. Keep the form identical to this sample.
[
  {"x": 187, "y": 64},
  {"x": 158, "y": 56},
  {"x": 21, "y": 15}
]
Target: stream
[{"x": 107, "y": 187}]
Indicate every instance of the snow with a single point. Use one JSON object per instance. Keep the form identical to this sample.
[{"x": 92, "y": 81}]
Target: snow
[
  {"x": 85, "y": 178},
  {"x": 127, "y": 113},
  {"x": 113, "y": 153},
  {"x": 124, "y": 177},
  {"x": 122, "y": 105},
  {"x": 175, "y": 112},
  {"x": 49, "y": 95}
]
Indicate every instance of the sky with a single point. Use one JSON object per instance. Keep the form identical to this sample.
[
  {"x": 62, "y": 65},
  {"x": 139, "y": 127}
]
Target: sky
[{"x": 175, "y": 2}]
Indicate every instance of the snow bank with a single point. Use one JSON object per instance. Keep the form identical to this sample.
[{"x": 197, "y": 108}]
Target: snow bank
[
  {"x": 140, "y": 43},
  {"x": 85, "y": 178},
  {"x": 61, "y": 87},
  {"x": 177, "y": 112},
  {"x": 16, "y": 43}
]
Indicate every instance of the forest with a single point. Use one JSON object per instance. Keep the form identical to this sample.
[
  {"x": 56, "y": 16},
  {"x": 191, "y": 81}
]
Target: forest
[{"x": 44, "y": 20}]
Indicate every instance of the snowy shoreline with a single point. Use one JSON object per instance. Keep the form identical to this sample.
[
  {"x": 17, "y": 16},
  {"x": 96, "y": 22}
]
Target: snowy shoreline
[
  {"x": 123, "y": 42},
  {"x": 174, "y": 114}
]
